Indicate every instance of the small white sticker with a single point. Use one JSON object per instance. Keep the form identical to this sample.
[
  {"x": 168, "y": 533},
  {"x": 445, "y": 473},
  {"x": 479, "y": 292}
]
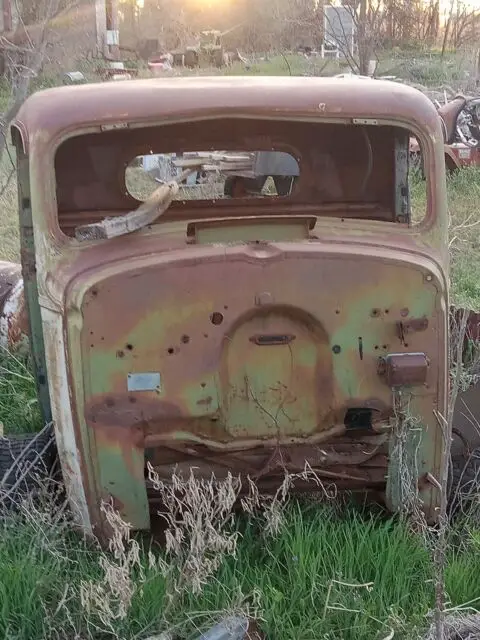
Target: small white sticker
[
  {"x": 143, "y": 381},
  {"x": 464, "y": 154}
]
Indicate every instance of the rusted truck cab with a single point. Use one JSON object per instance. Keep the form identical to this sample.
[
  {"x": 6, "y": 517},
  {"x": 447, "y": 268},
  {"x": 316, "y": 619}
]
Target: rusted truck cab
[{"x": 258, "y": 335}]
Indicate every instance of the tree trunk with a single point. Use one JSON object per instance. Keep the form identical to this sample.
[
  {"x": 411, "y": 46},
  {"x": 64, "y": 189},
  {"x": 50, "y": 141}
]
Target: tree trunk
[
  {"x": 363, "y": 49},
  {"x": 447, "y": 30}
]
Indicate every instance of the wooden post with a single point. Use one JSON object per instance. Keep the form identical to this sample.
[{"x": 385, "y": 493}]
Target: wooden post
[
  {"x": 362, "y": 45},
  {"x": 111, "y": 8},
  {"x": 477, "y": 72}
]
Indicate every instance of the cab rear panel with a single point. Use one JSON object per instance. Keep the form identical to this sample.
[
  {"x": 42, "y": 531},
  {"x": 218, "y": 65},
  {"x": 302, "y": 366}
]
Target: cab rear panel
[{"x": 257, "y": 359}]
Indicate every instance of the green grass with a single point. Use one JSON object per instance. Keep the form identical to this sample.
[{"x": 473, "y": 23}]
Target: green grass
[
  {"x": 9, "y": 231},
  {"x": 328, "y": 574},
  {"x": 464, "y": 195},
  {"x": 463, "y": 189},
  {"x": 19, "y": 407}
]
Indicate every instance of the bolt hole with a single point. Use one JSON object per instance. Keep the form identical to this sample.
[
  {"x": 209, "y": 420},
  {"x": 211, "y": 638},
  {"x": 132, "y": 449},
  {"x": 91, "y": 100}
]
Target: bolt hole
[
  {"x": 94, "y": 292},
  {"x": 130, "y": 347},
  {"x": 387, "y": 310},
  {"x": 120, "y": 354},
  {"x": 185, "y": 339},
  {"x": 384, "y": 346},
  {"x": 337, "y": 311},
  {"x": 203, "y": 385},
  {"x": 376, "y": 347},
  {"x": 205, "y": 335},
  {"x": 216, "y": 318},
  {"x": 225, "y": 307},
  {"x": 170, "y": 350}
]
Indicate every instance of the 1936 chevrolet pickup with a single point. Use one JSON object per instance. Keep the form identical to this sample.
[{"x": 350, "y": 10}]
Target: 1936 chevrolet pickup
[{"x": 256, "y": 332}]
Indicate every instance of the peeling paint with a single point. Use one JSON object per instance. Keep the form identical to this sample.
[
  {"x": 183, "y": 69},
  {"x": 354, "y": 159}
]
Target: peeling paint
[{"x": 268, "y": 350}]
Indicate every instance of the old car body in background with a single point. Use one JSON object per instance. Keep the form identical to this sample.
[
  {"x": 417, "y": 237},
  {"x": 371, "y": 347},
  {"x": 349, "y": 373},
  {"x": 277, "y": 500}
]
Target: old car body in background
[
  {"x": 460, "y": 119},
  {"x": 254, "y": 334}
]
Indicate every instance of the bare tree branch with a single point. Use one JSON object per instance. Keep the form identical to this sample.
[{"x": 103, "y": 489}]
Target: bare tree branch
[{"x": 25, "y": 63}]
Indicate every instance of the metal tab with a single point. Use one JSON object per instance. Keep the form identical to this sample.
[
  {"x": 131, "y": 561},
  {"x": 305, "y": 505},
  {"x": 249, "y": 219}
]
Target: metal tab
[
  {"x": 365, "y": 121},
  {"x": 143, "y": 382}
]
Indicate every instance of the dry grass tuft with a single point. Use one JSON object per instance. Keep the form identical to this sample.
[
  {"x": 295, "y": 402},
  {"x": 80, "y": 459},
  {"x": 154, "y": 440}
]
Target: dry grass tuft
[
  {"x": 200, "y": 525},
  {"x": 109, "y": 599}
]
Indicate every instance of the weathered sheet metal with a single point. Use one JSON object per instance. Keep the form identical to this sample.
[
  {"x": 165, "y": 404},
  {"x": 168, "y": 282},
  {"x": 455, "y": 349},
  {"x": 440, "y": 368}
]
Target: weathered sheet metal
[
  {"x": 13, "y": 314},
  {"x": 264, "y": 352},
  {"x": 54, "y": 112}
]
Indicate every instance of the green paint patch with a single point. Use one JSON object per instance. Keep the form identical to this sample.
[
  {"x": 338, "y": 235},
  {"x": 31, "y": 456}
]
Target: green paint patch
[
  {"x": 365, "y": 317},
  {"x": 122, "y": 476}
]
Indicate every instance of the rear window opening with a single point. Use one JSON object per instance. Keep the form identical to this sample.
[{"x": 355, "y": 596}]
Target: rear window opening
[
  {"x": 214, "y": 175},
  {"x": 243, "y": 167}
]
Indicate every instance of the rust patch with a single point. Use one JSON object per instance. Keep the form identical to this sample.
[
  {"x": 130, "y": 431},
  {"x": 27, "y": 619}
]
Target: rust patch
[
  {"x": 412, "y": 325},
  {"x": 127, "y": 411}
]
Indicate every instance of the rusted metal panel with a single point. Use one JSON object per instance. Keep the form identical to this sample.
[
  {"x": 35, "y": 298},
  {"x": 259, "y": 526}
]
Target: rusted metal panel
[
  {"x": 449, "y": 114},
  {"x": 235, "y": 395},
  {"x": 466, "y": 420},
  {"x": 154, "y": 303},
  {"x": 473, "y": 326},
  {"x": 63, "y": 109}
]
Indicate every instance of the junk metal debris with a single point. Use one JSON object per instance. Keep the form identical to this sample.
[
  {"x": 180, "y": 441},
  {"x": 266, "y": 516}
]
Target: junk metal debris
[
  {"x": 253, "y": 369},
  {"x": 230, "y": 628},
  {"x": 233, "y": 628},
  {"x": 13, "y": 312},
  {"x": 74, "y": 77}
]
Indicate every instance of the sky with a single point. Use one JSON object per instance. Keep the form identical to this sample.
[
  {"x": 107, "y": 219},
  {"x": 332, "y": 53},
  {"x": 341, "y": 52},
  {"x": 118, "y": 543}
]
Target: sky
[{"x": 474, "y": 4}]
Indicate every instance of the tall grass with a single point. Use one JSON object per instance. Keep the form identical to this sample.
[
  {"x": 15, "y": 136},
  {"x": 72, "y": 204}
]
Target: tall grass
[
  {"x": 328, "y": 574},
  {"x": 463, "y": 199},
  {"x": 19, "y": 406},
  {"x": 463, "y": 188}
]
